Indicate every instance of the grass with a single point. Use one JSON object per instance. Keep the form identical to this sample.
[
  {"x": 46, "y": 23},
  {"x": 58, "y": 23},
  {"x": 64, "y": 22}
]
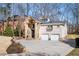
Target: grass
[
  {"x": 74, "y": 52},
  {"x": 72, "y": 36}
]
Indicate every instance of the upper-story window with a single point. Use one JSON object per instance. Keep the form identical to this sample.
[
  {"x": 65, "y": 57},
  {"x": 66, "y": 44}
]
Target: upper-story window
[{"x": 49, "y": 28}]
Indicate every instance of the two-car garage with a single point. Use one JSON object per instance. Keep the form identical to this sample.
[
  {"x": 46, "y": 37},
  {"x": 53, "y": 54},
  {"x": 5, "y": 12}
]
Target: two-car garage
[
  {"x": 50, "y": 37},
  {"x": 52, "y": 31}
]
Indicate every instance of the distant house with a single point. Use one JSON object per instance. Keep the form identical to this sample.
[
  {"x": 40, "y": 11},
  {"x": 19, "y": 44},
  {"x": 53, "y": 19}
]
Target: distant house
[{"x": 45, "y": 31}]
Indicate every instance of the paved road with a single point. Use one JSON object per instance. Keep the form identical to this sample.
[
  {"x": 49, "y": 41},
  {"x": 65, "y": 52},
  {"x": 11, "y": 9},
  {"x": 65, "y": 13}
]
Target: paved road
[{"x": 51, "y": 48}]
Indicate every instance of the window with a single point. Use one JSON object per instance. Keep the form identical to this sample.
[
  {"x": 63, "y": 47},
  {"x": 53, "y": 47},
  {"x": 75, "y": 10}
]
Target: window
[{"x": 49, "y": 28}]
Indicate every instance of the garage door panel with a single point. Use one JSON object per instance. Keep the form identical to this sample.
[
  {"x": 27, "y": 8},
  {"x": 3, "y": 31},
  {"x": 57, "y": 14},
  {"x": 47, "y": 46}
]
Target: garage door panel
[
  {"x": 54, "y": 37},
  {"x": 44, "y": 37}
]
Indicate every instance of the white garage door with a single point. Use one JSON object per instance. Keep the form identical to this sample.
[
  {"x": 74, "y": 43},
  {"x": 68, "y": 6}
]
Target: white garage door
[
  {"x": 54, "y": 37},
  {"x": 44, "y": 37}
]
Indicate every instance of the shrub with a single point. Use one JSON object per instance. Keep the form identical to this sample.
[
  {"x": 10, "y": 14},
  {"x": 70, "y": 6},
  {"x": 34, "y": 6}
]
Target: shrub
[
  {"x": 0, "y": 33},
  {"x": 16, "y": 32},
  {"x": 8, "y": 31}
]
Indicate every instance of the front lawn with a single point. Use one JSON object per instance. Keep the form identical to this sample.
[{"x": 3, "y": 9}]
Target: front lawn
[
  {"x": 74, "y": 52},
  {"x": 72, "y": 36}
]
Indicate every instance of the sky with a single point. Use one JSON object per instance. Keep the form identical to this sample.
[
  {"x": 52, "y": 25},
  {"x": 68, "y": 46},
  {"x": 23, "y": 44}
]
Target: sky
[{"x": 38, "y": 10}]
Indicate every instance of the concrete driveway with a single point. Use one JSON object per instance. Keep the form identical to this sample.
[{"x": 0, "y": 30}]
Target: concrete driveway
[{"x": 51, "y": 48}]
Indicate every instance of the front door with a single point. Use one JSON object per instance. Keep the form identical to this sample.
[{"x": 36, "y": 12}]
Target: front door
[{"x": 33, "y": 31}]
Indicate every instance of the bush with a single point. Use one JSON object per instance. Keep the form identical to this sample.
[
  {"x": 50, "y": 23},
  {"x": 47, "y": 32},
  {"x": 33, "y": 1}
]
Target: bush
[
  {"x": 16, "y": 32},
  {"x": 8, "y": 31},
  {"x": 0, "y": 33}
]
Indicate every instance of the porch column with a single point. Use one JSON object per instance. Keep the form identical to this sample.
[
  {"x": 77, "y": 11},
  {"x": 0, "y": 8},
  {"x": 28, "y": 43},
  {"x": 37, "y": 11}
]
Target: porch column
[
  {"x": 26, "y": 27},
  {"x": 36, "y": 31}
]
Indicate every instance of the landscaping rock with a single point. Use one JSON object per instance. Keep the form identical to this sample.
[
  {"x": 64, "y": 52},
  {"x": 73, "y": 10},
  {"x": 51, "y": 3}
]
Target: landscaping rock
[{"x": 15, "y": 48}]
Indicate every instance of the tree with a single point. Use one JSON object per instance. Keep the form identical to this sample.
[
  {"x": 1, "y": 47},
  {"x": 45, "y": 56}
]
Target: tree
[
  {"x": 6, "y": 11},
  {"x": 76, "y": 14},
  {"x": 74, "y": 8},
  {"x": 22, "y": 11}
]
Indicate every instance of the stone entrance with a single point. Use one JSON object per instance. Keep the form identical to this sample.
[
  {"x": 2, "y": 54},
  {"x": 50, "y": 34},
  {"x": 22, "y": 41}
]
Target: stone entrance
[{"x": 31, "y": 28}]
